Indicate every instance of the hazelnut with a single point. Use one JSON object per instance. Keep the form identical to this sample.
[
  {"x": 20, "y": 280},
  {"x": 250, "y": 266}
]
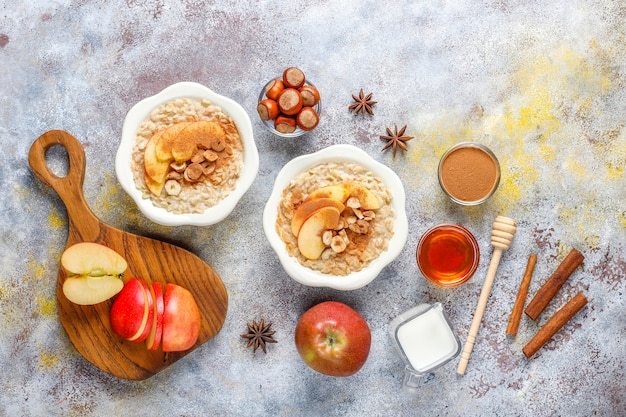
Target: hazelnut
[
  {"x": 293, "y": 77},
  {"x": 290, "y": 101},
  {"x": 285, "y": 124},
  {"x": 310, "y": 95},
  {"x": 274, "y": 89},
  {"x": 267, "y": 109},
  {"x": 307, "y": 118}
]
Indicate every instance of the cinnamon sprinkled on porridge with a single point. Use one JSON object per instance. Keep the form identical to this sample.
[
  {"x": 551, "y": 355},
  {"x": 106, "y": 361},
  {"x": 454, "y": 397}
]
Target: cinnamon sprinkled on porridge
[
  {"x": 365, "y": 232},
  {"x": 201, "y": 181}
]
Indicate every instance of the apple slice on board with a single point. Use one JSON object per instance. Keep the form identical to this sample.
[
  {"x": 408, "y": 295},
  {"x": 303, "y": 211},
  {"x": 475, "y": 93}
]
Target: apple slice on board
[
  {"x": 146, "y": 322},
  {"x": 87, "y": 326},
  {"x": 94, "y": 273},
  {"x": 129, "y": 312},
  {"x": 153, "y": 341}
]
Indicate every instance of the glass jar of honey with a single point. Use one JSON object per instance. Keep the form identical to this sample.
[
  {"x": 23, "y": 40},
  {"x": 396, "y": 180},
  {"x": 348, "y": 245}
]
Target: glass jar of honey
[{"x": 448, "y": 255}]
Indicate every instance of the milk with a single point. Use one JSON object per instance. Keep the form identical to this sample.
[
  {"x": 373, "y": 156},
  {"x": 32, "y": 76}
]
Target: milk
[{"x": 425, "y": 338}]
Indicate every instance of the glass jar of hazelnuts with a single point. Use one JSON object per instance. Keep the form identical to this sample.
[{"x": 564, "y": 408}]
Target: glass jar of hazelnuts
[{"x": 290, "y": 105}]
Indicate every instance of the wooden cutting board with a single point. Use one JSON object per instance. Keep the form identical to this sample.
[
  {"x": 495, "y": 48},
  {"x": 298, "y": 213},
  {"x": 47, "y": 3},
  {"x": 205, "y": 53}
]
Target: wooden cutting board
[{"x": 152, "y": 260}]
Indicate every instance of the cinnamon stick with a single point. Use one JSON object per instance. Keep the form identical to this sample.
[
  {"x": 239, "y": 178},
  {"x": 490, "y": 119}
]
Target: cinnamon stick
[
  {"x": 555, "y": 323},
  {"x": 549, "y": 289},
  {"x": 518, "y": 307}
]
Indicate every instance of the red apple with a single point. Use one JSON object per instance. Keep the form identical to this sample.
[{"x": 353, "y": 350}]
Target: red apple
[
  {"x": 181, "y": 319},
  {"x": 130, "y": 311},
  {"x": 144, "y": 313},
  {"x": 156, "y": 330},
  {"x": 333, "y": 339}
]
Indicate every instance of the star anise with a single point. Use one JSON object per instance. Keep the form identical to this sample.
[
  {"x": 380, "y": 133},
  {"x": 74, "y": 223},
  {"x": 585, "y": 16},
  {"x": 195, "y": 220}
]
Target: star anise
[
  {"x": 363, "y": 103},
  {"x": 259, "y": 335},
  {"x": 396, "y": 139}
]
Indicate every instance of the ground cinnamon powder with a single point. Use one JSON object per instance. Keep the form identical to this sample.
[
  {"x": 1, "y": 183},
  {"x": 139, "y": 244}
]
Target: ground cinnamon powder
[{"x": 468, "y": 174}]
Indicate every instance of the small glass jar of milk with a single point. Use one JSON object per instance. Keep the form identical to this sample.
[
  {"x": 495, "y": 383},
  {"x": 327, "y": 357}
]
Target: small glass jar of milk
[{"x": 425, "y": 339}]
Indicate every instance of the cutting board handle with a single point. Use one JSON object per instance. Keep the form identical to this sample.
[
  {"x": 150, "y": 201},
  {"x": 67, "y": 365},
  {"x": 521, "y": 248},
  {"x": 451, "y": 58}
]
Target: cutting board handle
[{"x": 70, "y": 187}]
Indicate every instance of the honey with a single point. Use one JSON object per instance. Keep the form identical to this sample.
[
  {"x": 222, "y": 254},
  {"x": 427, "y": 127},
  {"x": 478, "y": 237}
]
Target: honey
[{"x": 448, "y": 255}]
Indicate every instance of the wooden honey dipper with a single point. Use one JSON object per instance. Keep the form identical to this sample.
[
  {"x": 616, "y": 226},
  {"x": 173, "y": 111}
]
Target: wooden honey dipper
[{"x": 501, "y": 238}]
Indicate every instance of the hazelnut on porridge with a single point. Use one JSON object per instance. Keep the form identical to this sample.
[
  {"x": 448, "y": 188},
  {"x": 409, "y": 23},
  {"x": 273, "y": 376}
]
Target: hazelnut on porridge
[
  {"x": 187, "y": 156},
  {"x": 336, "y": 218}
]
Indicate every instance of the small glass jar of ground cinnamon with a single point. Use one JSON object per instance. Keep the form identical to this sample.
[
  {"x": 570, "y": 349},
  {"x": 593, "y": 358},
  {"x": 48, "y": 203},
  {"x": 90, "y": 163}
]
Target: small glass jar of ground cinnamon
[
  {"x": 448, "y": 255},
  {"x": 469, "y": 173}
]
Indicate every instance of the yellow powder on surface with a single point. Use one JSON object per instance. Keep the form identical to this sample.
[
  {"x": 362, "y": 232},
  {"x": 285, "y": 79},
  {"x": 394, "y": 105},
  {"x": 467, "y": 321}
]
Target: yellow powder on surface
[
  {"x": 37, "y": 271},
  {"x": 55, "y": 220},
  {"x": 622, "y": 219},
  {"x": 545, "y": 144},
  {"x": 47, "y": 361},
  {"x": 46, "y": 305}
]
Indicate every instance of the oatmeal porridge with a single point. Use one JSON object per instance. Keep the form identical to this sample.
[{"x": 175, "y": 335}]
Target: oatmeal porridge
[
  {"x": 187, "y": 156},
  {"x": 351, "y": 233}
]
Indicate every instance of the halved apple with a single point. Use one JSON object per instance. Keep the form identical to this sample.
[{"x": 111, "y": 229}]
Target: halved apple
[
  {"x": 338, "y": 192},
  {"x": 310, "y": 242},
  {"x": 129, "y": 312},
  {"x": 181, "y": 319},
  {"x": 91, "y": 290},
  {"x": 369, "y": 200},
  {"x": 307, "y": 208},
  {"x": 156, "y": 331},
  {"x": 94, "y": 273}
]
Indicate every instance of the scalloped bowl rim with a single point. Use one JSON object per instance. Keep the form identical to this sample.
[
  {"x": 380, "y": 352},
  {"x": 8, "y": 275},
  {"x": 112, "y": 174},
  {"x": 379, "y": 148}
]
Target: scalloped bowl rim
[
  {"x": 358, "y": 279},
  {"x": 133, "y": 120}
]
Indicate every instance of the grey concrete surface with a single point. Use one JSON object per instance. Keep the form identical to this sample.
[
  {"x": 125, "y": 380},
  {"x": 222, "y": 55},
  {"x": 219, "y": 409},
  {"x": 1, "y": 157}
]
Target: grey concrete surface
[{"x": 541, "y": 84}]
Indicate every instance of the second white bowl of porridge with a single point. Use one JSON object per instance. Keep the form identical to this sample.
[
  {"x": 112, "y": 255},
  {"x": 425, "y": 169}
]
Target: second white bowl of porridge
[
  {"x": 336, "y": 218},
  {"x": 187, "y": 155}
]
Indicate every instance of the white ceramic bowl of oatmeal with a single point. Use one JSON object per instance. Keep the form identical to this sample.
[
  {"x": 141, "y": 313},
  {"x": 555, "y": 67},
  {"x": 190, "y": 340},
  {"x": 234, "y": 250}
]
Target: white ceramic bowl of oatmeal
[
  {"x": 208, "y": 199},
  {"x": 364, "y": 258}
]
